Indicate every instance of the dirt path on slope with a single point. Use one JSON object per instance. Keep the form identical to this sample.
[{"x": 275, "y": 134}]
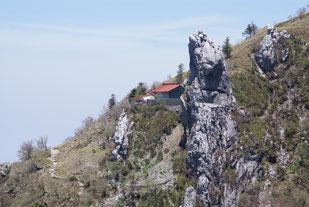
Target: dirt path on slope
[{"x": 53, "y": 158}]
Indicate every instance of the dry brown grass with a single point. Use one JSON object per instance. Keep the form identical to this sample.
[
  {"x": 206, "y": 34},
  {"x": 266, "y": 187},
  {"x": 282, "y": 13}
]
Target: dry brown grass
[
  {"x": 174, "y": 79},
  {"x": 296, "y": 26},
  {"x": 241, "y": 61},
  {"x": 71, "y": 159}
]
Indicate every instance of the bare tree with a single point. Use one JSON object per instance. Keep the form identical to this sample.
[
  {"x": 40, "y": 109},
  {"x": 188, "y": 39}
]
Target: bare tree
[
  {"x": 41, "y": 143},
  {"x": 290, "y": 17},
  {"x": 301, "y": 12},
  {"x": 155, "y": 84},
  {"x": 26, "y": 150},
  {"x": 88, "y": 122},
  {"x": 168, "y": 77}
]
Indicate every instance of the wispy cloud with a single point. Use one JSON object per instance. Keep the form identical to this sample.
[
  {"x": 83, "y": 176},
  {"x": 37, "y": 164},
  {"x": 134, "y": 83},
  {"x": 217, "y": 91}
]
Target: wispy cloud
[{"x": 172, "y": 31}]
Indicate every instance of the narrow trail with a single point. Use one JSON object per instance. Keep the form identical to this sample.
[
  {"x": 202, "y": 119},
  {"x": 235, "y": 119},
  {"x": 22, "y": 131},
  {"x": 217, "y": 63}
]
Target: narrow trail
[
  {"x": 53, "y": 158},
  {"x": 81, "y": 188}
]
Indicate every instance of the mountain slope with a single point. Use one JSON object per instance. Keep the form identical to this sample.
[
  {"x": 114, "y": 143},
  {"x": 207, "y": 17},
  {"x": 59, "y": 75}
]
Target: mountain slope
[
  {"x": 160, "y": 165},
  {"x": 278, "y": 122}
]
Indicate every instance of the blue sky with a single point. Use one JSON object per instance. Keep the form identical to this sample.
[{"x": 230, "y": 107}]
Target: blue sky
[{"x": 61, "y": 60}]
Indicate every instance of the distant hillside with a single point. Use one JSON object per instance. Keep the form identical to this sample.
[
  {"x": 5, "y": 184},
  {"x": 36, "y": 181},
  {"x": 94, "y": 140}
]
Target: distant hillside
[{"x": 143, "y": 155}]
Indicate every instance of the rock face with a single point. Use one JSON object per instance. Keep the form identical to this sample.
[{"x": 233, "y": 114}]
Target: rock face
[
  {"x": 190, "y": 197},
  {"x": 274, "y": 49},
  {"x": 212, "y": 138},
  {"x": 5, "y": 170},
  {"x": 122, "y": 135},
  {"x": 208, "y": 70}
]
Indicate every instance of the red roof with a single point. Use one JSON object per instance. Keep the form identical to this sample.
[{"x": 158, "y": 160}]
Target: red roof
[{"x": 165, "y": 87}]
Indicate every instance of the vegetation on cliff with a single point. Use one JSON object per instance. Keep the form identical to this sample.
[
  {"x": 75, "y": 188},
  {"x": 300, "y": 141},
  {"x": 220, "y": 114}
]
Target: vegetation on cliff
[
  {"x": 277, "y": 120},
  {"x": 272, "y": 116}
]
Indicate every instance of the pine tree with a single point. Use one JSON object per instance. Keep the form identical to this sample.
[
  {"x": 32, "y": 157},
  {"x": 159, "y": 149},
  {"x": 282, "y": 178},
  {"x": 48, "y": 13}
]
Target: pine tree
[
  {"x": 250, "y": 30},
  {"x": 141, "y": 88},
  {"x": 227, "y": 48},
  {"x": 112, "y": 101},
  {"x": 132, "y": 93},
  {"x": 180, "y": 73}
]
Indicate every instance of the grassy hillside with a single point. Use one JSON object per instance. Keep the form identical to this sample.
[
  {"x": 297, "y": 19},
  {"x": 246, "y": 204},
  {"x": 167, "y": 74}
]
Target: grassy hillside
[
  {"x": 154, "y": 174},
  {"x": 278, "y": 124},
  {"x": 272, "y": 117}
]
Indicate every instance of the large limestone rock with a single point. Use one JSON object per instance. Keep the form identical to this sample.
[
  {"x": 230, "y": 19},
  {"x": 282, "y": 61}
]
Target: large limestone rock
[
  {"x": 209, "y": 72},
  {"x": 122, "y": 135},
  {"x": 273, "y": 49},
  {"x": 190, "y": 197},
  {"x": 212, "y": 140}
]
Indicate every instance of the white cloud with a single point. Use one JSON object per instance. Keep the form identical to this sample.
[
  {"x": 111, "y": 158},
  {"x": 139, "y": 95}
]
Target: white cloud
[{"x": 172, "y": 31}]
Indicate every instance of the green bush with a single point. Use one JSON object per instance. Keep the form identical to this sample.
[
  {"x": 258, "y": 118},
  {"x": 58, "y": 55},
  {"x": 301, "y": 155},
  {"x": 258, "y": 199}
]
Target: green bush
[
  {"x": 251, "y": 91},
  {"x": 281, "y": 174},
  {"x": 39, "y": 205},
  {"x": 290, "y": 129},
  {"x": 160, "y": 156},
  {"x": 292, "y": 169},
  {"x": 179, "y": 164},
  {"x": 72, "y": 178},
  {"x": 149, "y": 120},
  {"x": 181, "y": 182},
  {"x": 147, "y": 161},
  {"x": 166, "y": 150},
  {"x": 137, "y": 167},
  {"x": 153, "y": 153}
]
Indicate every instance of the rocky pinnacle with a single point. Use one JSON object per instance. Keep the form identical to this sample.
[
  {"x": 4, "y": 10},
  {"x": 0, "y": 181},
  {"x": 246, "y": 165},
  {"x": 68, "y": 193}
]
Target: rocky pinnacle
[
  {"x": 209, "y": 70},
  {"x": 212, "y": 138}
]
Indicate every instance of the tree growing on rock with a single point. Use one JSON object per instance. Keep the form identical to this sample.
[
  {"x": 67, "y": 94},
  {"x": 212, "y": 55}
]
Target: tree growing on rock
[
  {"x": 250, "y": 30},
  {"x": 26, "y": 150},
  {"x": 227, "y": 48},
  {"x": 180, "y": 73}
]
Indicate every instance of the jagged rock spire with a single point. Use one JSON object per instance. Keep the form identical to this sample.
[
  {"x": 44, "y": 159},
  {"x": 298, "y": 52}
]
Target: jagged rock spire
[
  {"x": 209, "y": 71},
  {"x": 212, "y": 138}
]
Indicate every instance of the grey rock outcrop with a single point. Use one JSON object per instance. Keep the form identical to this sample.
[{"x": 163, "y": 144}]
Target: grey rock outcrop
[
  {"x": 212, "y": 140},
  {"x": 122, "y": 135},
  {"x": 208, "y": 70},
  {"x": 283, "y": 156},
  {"x": 5, "y": 170},
  {"x": 190, "y": 197},
  {"x": 274, "y": 49}
]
